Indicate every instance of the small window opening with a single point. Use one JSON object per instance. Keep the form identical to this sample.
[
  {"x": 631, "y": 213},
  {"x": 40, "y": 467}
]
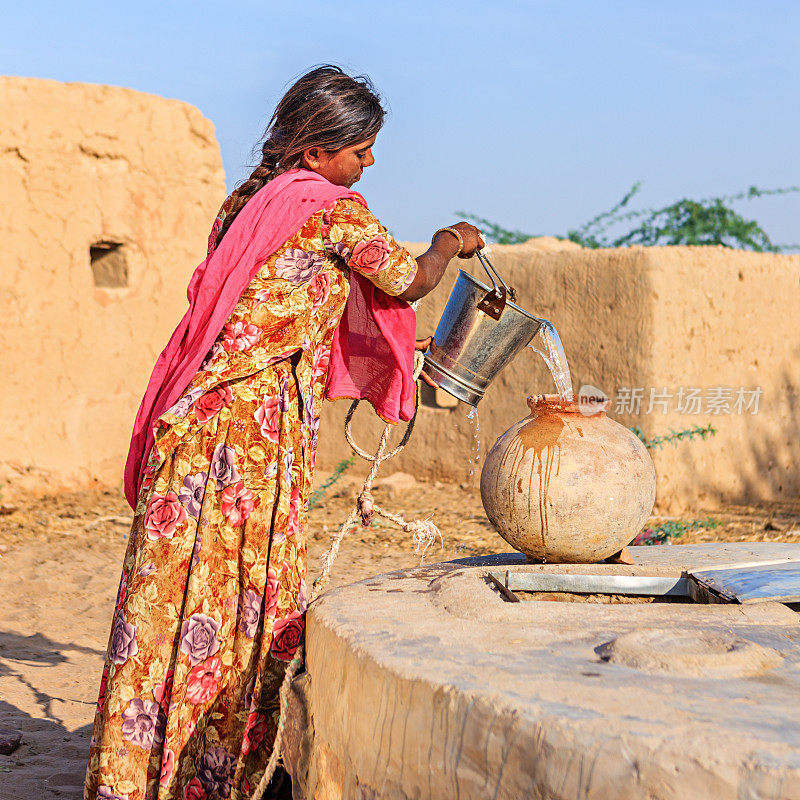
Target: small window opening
[{"x": 109, "y": 265}]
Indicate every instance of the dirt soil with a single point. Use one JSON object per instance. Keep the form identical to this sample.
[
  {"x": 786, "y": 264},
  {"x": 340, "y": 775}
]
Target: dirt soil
[{"x": 60, "y": 559}]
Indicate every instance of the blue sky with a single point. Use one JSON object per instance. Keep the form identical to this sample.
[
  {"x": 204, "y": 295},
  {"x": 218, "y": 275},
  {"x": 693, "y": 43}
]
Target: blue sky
[{"x": 534, "y": 113}]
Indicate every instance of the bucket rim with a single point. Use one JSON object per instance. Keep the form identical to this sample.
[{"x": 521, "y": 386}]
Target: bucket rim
[{"x": 508, "y": 302}]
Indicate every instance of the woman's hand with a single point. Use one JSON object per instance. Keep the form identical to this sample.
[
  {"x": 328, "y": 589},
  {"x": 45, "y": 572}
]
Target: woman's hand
[
  {"x": 424, "y": 344},
  {"x": 471, "y": 237}
]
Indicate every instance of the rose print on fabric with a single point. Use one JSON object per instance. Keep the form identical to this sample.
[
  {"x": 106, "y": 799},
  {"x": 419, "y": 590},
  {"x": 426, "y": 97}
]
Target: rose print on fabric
[
  {"x": 237, "y": 503},
  {"x": 325, "y": 222},
  {"x": 215, "y": 771},
  {"x": 240, "y": 336},
  {"x": 249, "y": 612},
  {"x": 298, "y": 266},
  {"x": 163, "y": 692},
  {"x": 182, "y": 406},
  {"x": 167, "y": 767},
  {"x": 199, "y": 638},
  {"x": 142, "y": 723},
  {"x": 212, "y": 402},
  {"x": 371, "y": 256},
  {"x": 147, "y": 569},
  {"x": 123, "y": 641},
  {"x": 268, "y": 416},
  {"x": 320, "y": 362},
  {"x": 163, "y": 515},
  {"x": 191, "y": 494},
  {"x": 271, "y": 593},
  {"x": 287, "y": 636},
  {"x": 339, "y": 249},
  {"x": 223, "y": 470},
  {"x": 254, "y": 733},
  {"x": 194, "y": 790},
  {"x": 320, "y": 286},
  {"x": 203, "y": 681}
]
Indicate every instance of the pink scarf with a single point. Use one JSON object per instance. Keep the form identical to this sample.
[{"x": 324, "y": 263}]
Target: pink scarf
[{"x": 372, "y": 354}]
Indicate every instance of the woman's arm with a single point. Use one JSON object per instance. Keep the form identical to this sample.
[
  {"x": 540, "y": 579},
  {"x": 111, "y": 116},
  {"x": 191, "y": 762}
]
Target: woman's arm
[{"x": 431, "y": 265}]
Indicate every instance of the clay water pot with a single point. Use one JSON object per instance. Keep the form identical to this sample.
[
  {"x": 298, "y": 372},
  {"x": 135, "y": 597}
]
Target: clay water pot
[{"x": 566, "y": 486}]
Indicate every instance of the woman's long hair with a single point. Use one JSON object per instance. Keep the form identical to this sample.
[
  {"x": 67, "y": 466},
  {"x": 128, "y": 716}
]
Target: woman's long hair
[{"x": 326, "y": 108}]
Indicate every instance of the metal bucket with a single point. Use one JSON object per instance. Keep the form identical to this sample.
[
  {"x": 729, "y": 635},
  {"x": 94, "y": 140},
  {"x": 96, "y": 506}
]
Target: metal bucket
[{"x": 479, "y": 333}]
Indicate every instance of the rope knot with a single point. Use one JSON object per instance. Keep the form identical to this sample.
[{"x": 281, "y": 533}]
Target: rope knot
[{"x": 366, "y": 508}]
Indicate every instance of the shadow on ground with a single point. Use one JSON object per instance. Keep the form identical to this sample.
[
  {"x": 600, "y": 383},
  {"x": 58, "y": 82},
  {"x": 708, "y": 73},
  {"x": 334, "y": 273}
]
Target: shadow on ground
[{"x": 38, "y": 699}]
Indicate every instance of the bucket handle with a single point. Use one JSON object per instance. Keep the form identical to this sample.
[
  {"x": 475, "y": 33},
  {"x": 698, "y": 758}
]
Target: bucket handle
[{"x": 493, "y": 302}]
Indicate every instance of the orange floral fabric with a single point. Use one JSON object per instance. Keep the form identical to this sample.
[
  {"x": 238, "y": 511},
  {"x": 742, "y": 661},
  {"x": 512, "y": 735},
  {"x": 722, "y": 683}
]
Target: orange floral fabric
[{"x": 213, "y": 592}]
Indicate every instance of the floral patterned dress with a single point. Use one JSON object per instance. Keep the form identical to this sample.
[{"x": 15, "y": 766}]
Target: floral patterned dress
[{"x": 211, "y": 603}]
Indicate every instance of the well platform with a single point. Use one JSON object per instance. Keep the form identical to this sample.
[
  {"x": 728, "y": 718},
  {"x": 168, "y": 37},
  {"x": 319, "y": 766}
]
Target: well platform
[{"x": 429, "y": 683}]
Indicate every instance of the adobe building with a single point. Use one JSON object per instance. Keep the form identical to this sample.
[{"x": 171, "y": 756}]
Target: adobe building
[{"x": 108, "y": 196}]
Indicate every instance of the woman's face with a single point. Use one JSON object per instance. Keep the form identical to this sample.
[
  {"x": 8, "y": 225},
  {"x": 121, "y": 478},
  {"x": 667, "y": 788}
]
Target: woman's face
[{"x": 341, "y": 167}]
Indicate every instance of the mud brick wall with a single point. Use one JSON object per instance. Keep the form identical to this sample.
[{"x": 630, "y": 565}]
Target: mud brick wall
[{"x": 107, "y": 197}]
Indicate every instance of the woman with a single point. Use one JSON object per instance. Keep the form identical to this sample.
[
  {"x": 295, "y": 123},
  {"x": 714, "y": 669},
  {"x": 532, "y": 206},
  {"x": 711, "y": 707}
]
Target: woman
[{"x": 213, "y": 590}]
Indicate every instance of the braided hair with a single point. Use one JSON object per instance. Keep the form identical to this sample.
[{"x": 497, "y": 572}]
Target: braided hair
[{"x": 325, "y": 108}]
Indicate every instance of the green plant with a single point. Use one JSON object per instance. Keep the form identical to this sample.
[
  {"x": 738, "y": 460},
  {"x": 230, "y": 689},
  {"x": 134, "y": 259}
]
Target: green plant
[
  {"x": 685, "y": 222},
  {"x": 318, "y": 495},
  {"x": 673, "y": 437},
  {"x": 673, "y": 529}
]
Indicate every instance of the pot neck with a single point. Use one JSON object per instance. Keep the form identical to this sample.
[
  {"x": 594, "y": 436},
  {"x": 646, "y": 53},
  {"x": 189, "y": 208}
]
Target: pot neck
[{"x": 554, "y": 404}]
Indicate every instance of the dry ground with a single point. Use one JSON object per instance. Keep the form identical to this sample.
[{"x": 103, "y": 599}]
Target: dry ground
[{"x": 60, "y": 559}]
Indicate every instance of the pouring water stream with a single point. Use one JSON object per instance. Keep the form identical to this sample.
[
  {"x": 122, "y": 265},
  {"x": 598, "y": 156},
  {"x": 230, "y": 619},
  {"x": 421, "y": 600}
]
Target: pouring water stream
[
  {"x": 555, "y": 358},
  {"x": 475, "y": 449}
]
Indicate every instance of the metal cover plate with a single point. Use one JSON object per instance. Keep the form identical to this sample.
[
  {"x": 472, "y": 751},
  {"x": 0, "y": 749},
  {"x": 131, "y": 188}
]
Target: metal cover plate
[
  {"x": 754, "y": 584},
  {"x": 591, "y": 584}
]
